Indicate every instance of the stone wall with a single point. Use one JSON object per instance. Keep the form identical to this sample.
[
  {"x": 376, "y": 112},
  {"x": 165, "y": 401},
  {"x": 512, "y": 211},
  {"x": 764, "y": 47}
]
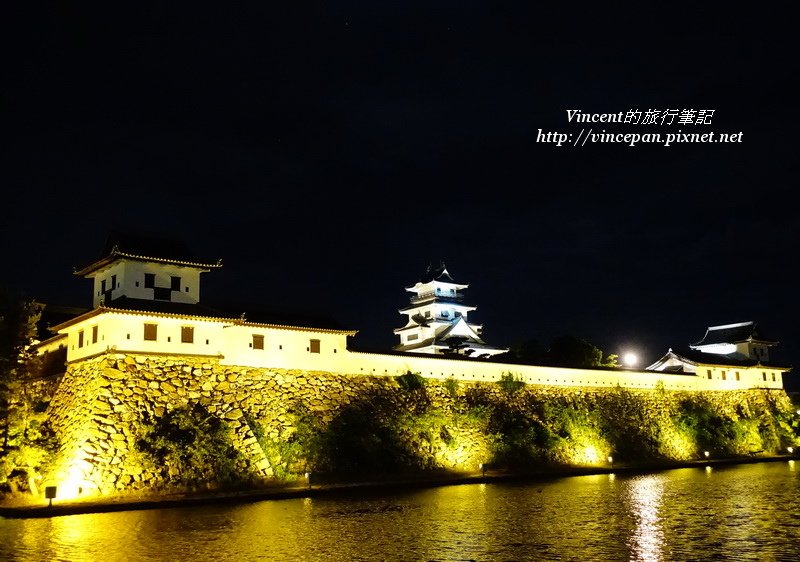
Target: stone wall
[{"x": 101, "y": 404}]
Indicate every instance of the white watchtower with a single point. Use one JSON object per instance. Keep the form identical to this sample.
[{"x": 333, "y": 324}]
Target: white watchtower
[{"x": 437, "y": 319}]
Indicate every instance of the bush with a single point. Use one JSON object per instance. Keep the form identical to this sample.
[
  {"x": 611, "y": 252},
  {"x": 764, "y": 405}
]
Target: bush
[
  {"x": 451, "y": 386},
  {"x": 510, "y": 383},
  {"x": 190, "y": 447},
  {"x": 411, "y": 381}
]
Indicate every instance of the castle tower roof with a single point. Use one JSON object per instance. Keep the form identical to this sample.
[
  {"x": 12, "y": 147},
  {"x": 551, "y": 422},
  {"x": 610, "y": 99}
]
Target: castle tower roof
[
  {"x": 733, "y": 333},
  {"x": 146, "y": 248}
]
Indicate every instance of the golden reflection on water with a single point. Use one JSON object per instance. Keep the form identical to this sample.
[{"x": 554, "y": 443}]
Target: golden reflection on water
[
  {"x": 644, "y": 501},
  {"x": 741, "y": 513}
]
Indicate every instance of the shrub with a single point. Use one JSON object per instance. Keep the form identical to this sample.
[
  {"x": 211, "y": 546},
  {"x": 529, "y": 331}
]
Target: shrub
[
  {"x": 451, "y": 386},
  {"x": 411, "y": 381},
  {"x": 510, "y": 383},
  {"x": 190, "y": 447}
]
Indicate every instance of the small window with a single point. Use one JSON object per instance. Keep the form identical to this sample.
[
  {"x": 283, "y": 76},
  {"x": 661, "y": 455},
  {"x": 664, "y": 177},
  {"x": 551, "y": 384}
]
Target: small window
[
  {"x": 187, "y": 289},
  {"x": 773, "y": 377},
  {"x": 150, "y": 332},
  {"x": 113, "y": 281},
  {"x": 412, "y": 337},
  {"x": 258, "y": 341},
  {"x": 162, "y": 294},
  {"x": 149, "y": 280},
  {"x": 724, "y": 375},
  {"x": 427, "y": 314},
  {"x": 187, "y": 334},
  {"x": 175, "y": 283},
  {"x": 709, "y": 373},
  {"x": 103, "y": 286},
  {"x": 94, "y": 334},
  {"x": 80, "y": 339},
  {"x": 314, "y": 346},
  {"x": 737, "y": 376},
  {"x": 764, "y": 375}
]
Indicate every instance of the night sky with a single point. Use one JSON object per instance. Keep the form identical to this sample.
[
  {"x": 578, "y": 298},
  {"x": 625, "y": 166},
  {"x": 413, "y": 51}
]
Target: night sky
[{"x": 329, "y": 152}]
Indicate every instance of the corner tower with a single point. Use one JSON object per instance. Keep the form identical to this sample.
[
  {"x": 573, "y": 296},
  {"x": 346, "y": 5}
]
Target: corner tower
[
  {"x": 437, "y": 319},
  {"x": 145, "y": 269}
]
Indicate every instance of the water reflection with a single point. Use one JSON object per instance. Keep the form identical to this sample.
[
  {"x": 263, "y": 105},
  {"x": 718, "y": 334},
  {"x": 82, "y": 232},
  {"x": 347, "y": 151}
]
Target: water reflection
[
  {"x": 644, "y": 500},
  {"x": 741, "y": 513}
]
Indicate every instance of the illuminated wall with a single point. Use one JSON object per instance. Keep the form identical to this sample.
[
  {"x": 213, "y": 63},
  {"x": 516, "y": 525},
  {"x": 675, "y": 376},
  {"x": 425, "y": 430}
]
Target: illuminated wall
[
  {"x": 253, "y": 345},
  {"x": 100, "y": 403}
]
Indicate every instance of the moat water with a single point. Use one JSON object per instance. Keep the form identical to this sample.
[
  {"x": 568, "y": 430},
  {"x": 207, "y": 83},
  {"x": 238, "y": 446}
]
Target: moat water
[{"x": 744, "y": 512}]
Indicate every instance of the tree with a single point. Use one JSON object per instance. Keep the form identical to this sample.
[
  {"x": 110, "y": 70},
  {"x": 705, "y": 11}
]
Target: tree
[
  {"x": 529, "y": 352},
  {"x": 456, "y": 344},
  {"x": 569, "y": 351},
  {"x": 25, "y": 439}
]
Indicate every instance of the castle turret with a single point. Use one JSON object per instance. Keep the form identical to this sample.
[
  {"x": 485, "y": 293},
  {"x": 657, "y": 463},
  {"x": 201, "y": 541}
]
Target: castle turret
[
  {"x": 743, "y": 339},
  {"x": 144, "y": 268},
  {"x": 437, "y": 319}
]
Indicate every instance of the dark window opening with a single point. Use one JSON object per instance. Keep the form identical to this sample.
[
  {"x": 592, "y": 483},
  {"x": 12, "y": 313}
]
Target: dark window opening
[
  {"x": 80, "y": 339},
  {"x": 103, "y": 286},
  {"x": 162, "y": 294},
  {"x": 175, "y": 283},
  {"x": 258, "y": 341},
  {"x": 150, "y": 332},
  {"x": 113, "y": 281},
  {"x": 94, "y": 334},
  {"x": 149, "y": 280},
  {"x": 187, "y": 334},
  {"x": 314, "y": 346}
]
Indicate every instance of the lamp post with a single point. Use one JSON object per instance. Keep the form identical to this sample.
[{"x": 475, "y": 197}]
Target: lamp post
[{"x": 50, "y": 494}]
